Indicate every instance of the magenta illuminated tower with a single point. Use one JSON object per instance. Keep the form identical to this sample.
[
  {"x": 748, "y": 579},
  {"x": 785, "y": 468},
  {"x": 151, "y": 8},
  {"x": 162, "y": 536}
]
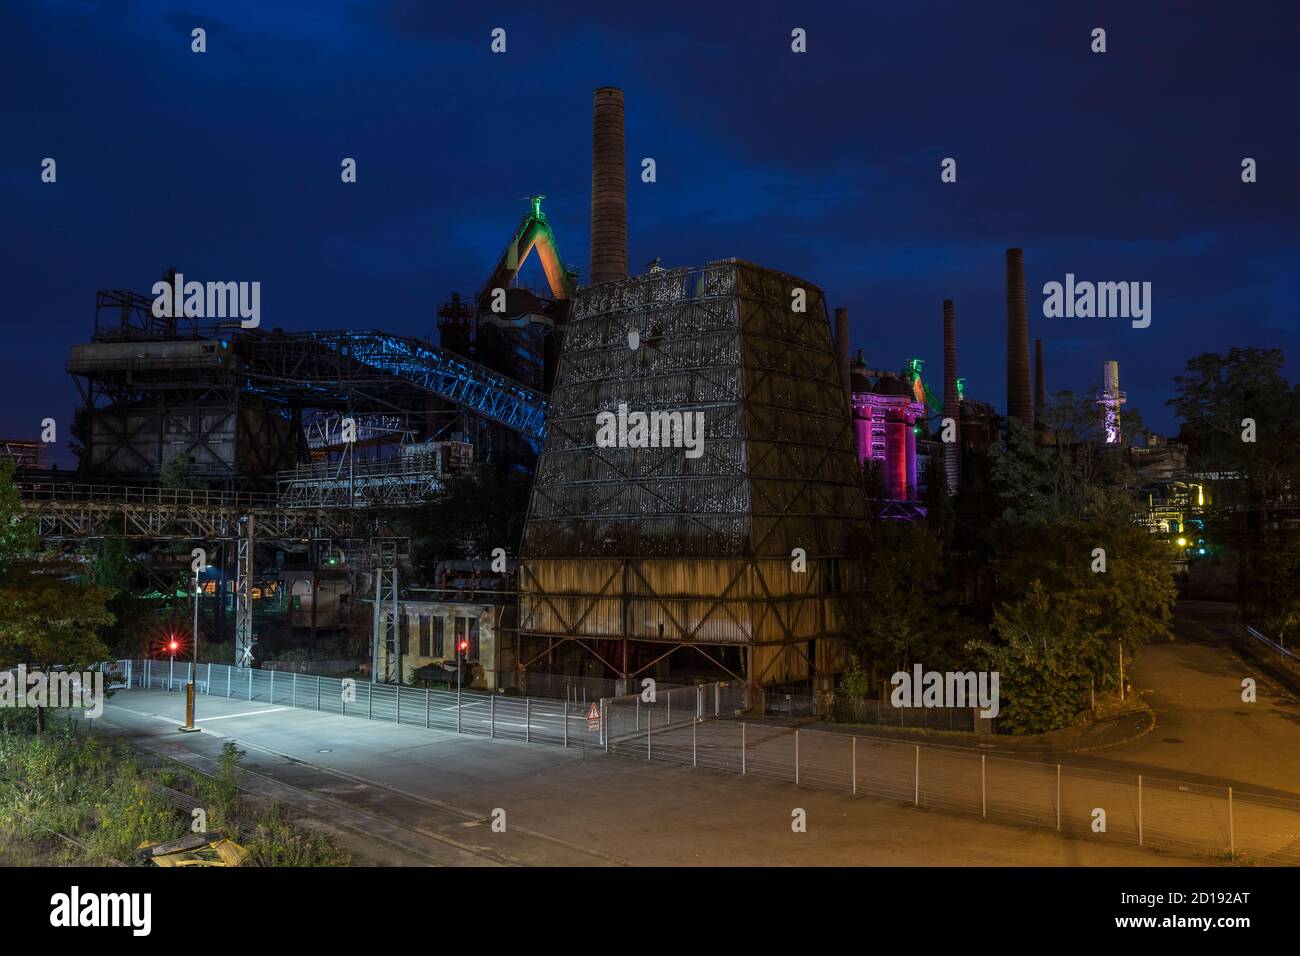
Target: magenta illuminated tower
[{"x": 1110, "y": 399}]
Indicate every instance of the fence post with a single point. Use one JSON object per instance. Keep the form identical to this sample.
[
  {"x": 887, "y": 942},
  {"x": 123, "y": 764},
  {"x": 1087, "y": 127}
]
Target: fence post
[
  {"x": 398, "y": 708},
  {"x": 294, "y": 692},
  {"x": 742, "y": 749},
  {"x": 492, "y": 716},
  {"x": 566, "y": 722},
  {"x": 1139, "y": 809},
  {"x": 528, "y": 719},
  {"x": 638, "y": 711},
  {"x": 694, "y": 756},
  {"x": 318, "y": 692},
  {"x": 648, "y": 751},
  {"x": 670, "y": 709},
  {"x": 370, "y": 702},
  {"x": 458, "y": 698},
  {"x": 917, "y": 798},
  {"x": 426, "y": 706},
  {"x": 984, "y": 793},
  {"x": 1232, "y": 835},
  {"x": 796, "y": 755},
  {"x": 171, "y": 667},
  {"x": 250, "y": 683},
  {"x": 271, "y": 698},
  {"x": 604, "y": 721},
  {"x": 1058, "y": 798},
  {"x": 230, "y": 673},
  {"x": 855, "y": 765},
  {"x": 208, "y": 682}
]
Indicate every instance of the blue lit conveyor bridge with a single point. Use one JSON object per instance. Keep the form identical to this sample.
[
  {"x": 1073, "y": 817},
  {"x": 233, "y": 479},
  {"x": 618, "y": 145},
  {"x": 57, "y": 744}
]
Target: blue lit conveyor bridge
[{"x": 377, "y": 372}]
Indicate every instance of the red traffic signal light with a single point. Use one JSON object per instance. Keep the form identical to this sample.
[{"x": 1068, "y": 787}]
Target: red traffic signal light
[
  {"x": 173, "y": 646},
  {"x": 464, "y": 645}
]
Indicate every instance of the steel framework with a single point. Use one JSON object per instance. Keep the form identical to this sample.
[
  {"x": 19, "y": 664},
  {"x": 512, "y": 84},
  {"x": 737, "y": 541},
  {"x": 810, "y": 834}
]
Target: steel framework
[
  {"x": 244, "y": 592},
  {"x": 387, "y": 650},
  {"x": 647, "y": 545}
]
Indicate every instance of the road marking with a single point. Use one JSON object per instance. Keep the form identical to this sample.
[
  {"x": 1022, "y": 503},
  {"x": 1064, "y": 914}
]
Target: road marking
[{"x": 247, "y": 713}]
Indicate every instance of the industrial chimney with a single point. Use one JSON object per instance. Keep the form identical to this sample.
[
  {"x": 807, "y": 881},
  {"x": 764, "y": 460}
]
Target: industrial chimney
[
  {"x": 1110, "y": 399},
  {"x": 1020, "y": 403},
  {"x": 951, "y": 407},
  {"x": 1040, "y": 386},
  {"x": 842, "y": 351},
  {"x": 608, "y": 187}
]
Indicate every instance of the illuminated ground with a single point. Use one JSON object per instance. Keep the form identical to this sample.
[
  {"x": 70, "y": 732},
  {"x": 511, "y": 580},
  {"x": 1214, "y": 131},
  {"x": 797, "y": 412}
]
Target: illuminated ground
[{"x": 432, "y": 793}]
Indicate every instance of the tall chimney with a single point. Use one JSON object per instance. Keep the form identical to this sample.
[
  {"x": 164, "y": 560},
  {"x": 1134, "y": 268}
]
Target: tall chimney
[
  {"x": 608, "y": 187},
  {"x": 1040, "y": 386},
  {"x": 951, "y": 407},
  {"x": 1020, "y": 402},
  {"x": 842, "y": 351}
]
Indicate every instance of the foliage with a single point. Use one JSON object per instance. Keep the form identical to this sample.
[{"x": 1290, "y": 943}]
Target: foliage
[
  {"x": 17, "y": 536},
  {"x": 175, "y": 474},
  {"x": 902, "y": 614},
  {"x": 478, "y": 512},
  {"x": 1043, "y": 684},
  {"x": 278, "y": 841}
]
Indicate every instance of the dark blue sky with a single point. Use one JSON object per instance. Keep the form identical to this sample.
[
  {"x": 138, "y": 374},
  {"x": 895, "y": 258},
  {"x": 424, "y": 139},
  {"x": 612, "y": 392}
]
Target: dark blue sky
[{"x": 1122, "y": 166}]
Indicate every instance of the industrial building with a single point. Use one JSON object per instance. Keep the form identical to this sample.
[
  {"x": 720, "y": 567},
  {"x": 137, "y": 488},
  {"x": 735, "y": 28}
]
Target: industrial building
[{"x": 299, "y": 454}]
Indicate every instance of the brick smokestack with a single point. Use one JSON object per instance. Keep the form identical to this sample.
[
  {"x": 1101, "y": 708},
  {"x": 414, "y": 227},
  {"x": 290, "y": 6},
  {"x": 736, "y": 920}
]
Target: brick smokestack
[
  {"x": 842, "y": 351},
  {"x": 608, "y": 187},
  {"x": 951, "y": 407},
  {"x": 1020, "y": 400},
  {"x": 1040, "y": 386}
]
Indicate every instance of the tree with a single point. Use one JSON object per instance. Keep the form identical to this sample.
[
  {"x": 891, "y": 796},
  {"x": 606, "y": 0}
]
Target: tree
[
  {"x": 17, "y": 535},
  {"x": 46, "y": 618},
  {"x": 478, "y": 512},
  {"x": 902, "y": 615},
  {"x": 1043, "y": 683}
]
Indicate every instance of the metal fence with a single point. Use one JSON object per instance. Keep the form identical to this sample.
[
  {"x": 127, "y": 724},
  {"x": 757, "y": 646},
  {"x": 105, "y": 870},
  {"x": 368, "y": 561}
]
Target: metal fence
[
  {"x": 1117, "y": 808},
  {"x": 563, "y": 723},
  {"x": 882, "y": 713},
  {"x": 696, "y": 726}
]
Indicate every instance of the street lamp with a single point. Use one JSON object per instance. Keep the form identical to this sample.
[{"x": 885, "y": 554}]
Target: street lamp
[{"x": 194, "y": 666}]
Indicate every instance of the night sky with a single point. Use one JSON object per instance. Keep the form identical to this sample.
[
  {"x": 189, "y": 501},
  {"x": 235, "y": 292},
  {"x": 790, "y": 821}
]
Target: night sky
[{"x": 1120, "y": 166}]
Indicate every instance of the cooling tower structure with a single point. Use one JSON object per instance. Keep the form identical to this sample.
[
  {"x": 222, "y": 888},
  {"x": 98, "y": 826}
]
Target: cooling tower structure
[{"x": 635, "y": 552}]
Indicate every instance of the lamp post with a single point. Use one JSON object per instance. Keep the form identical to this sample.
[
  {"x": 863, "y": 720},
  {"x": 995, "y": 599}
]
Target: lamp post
[{"x": 194, "y": 665}]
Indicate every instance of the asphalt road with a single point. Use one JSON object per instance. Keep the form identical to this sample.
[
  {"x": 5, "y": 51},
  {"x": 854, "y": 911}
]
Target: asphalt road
[{"x": 416, "y": 795}]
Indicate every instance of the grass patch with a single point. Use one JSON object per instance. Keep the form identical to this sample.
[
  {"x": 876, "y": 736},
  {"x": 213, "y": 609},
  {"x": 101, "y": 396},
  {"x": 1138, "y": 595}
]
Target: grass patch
[{"x": 71, "y": 798}]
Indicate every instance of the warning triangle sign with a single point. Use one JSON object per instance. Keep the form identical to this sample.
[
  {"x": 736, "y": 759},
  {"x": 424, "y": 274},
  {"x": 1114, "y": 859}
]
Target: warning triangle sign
[{"x": 594, "y": 713}]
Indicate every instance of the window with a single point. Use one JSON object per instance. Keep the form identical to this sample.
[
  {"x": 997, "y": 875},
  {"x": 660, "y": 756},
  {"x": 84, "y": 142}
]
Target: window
[
  {"x": 404, "y": 630},
  {"x": 426, "y": 633},
  {"x": 438, "y": 630},
  {"x": 467, "y": 630}
]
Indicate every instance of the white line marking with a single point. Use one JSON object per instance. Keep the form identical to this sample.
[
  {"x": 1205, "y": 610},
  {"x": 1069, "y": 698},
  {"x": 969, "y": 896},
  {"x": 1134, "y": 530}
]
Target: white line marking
[{"x": 249, "y": 713}]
